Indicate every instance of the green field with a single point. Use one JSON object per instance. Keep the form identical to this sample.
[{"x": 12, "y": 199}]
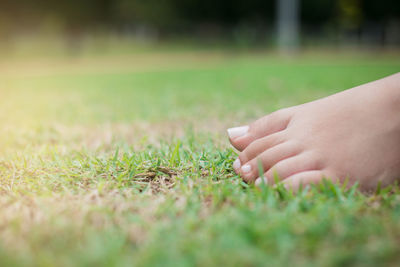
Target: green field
[{"x": 120, "y": 160}]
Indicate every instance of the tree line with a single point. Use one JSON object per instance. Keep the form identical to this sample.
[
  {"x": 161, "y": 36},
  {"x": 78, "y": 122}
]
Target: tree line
[{"x": 169, "y": 17}]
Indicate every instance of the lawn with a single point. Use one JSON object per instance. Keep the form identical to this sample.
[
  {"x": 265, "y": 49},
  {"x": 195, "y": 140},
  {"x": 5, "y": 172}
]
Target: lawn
[{"x": 122, "y": 159}]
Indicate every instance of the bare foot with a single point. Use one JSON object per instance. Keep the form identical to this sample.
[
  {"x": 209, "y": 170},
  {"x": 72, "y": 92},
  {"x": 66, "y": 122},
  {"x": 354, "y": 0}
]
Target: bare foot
[{"x": 351, "y": 135}]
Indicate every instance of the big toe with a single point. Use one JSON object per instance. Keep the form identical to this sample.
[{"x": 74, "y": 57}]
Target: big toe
[{"x": 241, "y": 137}]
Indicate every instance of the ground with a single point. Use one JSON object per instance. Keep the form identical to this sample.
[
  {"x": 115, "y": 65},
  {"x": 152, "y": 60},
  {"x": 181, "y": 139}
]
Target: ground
[{"x": 123, "y": 159}]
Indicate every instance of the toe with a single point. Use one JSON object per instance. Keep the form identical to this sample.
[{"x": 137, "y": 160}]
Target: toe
[
  {"x": 241, "y": 137},
  {"x": 288, "y": 167},
  {"x": 250, "y": 170},
  {"x": 302, "y": 179},
  {"x": 260, "y": 145}
]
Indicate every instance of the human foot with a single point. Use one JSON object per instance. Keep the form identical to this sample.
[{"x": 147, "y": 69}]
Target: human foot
[{"x": 351, "y": 135}]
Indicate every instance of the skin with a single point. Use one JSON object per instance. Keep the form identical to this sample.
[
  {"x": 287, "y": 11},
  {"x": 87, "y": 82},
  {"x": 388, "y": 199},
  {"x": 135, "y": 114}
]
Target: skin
[{"x": 353, "y": 135}]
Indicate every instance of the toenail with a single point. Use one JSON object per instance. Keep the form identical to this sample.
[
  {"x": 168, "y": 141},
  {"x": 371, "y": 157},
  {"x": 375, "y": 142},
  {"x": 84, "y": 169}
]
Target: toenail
[
  {"x": 237, "y": 131},
  {"x": 246, "y": 168},
  {"x": 237, "y": 164},
  {"x": 261, "y": 180}
]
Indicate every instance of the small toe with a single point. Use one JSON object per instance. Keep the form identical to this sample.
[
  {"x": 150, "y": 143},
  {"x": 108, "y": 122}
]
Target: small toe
[{"x": 302, "y": 179}]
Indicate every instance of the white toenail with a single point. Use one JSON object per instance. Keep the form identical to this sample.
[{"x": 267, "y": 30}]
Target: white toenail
[
  {"x": 246, "y": 168},
  {"x": 237, "y": 131},
  {"x": 260, "y": 181},
  {"x": 236, "y": 164}
]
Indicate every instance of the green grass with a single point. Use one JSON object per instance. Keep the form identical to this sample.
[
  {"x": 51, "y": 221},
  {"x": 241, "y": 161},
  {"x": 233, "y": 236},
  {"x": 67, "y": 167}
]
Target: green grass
[{"x": 123, "y": 160}]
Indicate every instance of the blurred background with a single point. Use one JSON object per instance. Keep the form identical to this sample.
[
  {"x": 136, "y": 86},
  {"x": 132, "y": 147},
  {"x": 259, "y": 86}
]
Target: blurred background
[
  {"x": 75, "y": 25},
  {"x": 108, "y": 61},
  {"x": 98, "y": 97}
]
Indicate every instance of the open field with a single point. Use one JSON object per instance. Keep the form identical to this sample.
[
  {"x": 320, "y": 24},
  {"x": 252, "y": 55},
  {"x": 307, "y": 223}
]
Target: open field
[{"x": 120, "y": 160}]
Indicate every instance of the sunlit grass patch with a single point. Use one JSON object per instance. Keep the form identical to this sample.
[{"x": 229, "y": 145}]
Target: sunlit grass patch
[{"x": 181, "y": 202}]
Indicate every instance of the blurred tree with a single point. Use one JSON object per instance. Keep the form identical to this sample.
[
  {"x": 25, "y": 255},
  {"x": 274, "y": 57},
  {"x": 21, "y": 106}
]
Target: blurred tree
[
  {"x": 350, "y": 14},
  {"x": 288, "y": 24},
  {"x": 227, "y": 18}
]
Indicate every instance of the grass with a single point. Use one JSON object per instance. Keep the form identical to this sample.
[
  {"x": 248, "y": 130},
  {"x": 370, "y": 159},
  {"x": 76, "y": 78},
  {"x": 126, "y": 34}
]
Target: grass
[{"x": 120, "y": 160}]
